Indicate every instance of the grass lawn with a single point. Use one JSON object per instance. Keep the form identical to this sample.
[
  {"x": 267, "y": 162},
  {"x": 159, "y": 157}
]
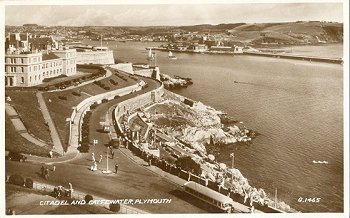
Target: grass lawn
[
  {"x": 27, "y": 106},
  {"x": 15, "y": 142},
  {"x": 62, "y": 109}
]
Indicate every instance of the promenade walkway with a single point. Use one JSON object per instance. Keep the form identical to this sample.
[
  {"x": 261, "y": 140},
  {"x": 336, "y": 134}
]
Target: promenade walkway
[
  {"x": 57, "y": 145},
  {"x": 20, "y": 128}
]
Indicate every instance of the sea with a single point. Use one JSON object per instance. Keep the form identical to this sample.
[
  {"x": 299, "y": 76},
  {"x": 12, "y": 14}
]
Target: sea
[{"x": 296, "y": 106}]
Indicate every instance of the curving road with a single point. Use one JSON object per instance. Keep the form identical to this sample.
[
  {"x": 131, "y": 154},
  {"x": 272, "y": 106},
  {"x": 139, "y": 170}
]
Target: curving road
[{"x": 132, "y": 181}]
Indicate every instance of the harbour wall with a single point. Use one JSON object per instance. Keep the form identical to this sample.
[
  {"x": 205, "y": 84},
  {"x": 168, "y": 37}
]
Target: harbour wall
[{"x": 297, "y": 57}]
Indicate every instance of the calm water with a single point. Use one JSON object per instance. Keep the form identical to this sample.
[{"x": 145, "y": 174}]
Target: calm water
[{"x": 297, "y": 107}]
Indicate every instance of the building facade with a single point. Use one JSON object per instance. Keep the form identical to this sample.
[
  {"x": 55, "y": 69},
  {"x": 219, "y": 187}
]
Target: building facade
[{"x": 25, "y": 69}]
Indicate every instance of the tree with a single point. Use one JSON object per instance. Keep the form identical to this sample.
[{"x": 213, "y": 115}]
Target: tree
[{"x": 186, "y": 163}]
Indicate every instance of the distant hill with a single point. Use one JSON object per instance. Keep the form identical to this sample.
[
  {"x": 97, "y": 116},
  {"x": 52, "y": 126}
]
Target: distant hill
[
  {"x": 301, "y": 32},
  {"x": 291, "y": 32}
]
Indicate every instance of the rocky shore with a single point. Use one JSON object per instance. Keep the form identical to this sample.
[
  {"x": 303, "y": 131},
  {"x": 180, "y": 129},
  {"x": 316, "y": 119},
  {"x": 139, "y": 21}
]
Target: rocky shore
[
  {"x": 175, "y": 83},
  {"x": 194, "y": 125}
]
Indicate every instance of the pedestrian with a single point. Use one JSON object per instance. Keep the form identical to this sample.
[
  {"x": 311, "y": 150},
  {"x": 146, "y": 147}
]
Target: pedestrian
[
  {"x": 46, "y": 173},
  {"x": 42, "y": 169},
  {"x": 112, "y": 154},
  {"x": 93, "y": 167},
  {"x": 150, "y": 162},
  {"x": 116, "y": 168},
  {"x": 70, "y": 187},
  {"x": 93, "y": 157},
  {"x": 100, "y": 160},
  {"x": 53, "y": 168},
  {"x": 51, "y": 154}
]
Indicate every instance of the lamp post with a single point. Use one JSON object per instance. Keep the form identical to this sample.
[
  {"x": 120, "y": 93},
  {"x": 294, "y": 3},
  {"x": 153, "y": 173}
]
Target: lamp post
[
  {"x": 107, "y": 171},
  {"x": 233, "y": 162}
]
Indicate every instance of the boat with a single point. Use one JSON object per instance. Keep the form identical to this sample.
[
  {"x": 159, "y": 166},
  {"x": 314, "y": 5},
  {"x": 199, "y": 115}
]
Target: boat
[
  {"x": 320, "y": 162},
  {"x": 171, "y": 56},
  {"x": 235, "y": 81},
  {"x": 150, "y": 55}
]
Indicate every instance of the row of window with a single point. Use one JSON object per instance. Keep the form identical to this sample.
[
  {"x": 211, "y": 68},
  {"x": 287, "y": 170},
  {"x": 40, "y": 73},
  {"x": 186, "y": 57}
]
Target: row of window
[
  {"x": 15, "y": 69},
  {"x": 21, "y": 60}
]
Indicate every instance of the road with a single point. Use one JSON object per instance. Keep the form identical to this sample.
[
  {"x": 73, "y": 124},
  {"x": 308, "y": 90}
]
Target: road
[{"x": 133, "y": 181}]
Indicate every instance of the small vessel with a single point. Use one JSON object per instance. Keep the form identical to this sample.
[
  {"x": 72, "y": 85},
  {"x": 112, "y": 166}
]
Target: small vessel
[
  {"x": 150, "y": 55},
  {"x": 235, "y": 81},
  {"x": 171, "y": 56},
  {"x": 320, "y": 162}
]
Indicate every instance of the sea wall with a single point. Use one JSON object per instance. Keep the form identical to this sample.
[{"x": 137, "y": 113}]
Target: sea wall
[
  {"x": 95, "y": 57},
  {"x": 132, "y": 104}
]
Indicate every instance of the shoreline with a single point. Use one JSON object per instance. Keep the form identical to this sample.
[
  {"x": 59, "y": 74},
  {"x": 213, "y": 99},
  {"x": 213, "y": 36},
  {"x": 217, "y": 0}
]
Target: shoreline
[
  {"x": 283, "y": 55},
  {"x": 250, "y": 191}
]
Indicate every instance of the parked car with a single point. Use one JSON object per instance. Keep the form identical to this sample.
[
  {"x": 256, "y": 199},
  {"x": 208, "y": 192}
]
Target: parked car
[{"x": 16, "y": 156}]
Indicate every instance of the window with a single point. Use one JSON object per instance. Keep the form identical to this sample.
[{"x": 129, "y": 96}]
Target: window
[
  {"x": 14, "y": 60},
  {"x": 39, "y": 76},
  {"x": 30, "y": 79},
  {"x": 35, "y": 78},
  {"x": 30, "y": 69},
  {"x": 43, "y": 74},
  {"x": 22, "y": 79},
  {"x": 22, "y": 69},
  {"x": 6, "y": 81}
]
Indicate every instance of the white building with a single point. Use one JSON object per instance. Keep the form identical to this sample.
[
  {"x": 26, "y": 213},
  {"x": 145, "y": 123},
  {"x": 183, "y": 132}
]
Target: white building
[{"x": 31, "y": 68}]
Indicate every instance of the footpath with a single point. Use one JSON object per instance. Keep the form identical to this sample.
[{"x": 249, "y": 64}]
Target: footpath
[
  {"x": 20, "y": 128},
  {"x": 57, "y": 145}
]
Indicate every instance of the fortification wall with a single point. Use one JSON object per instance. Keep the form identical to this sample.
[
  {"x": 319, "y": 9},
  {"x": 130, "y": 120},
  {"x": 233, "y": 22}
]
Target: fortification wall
[
  {"x": 125, "y": 67},
  {"x": 95, "y": 57}
]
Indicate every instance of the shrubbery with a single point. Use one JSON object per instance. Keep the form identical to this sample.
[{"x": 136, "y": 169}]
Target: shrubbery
[
  {"x": 76, "y": 93},
  {"x": 29, "y": 183},
  {"x": 16, "y": 180},
  {"x": 114, "y": 207},
  {"x": 93, "y": 106},
  {"x": 62, "y": 97},
  {"x": 85, "y": 144},
  {"x": 88, "y": 198}
]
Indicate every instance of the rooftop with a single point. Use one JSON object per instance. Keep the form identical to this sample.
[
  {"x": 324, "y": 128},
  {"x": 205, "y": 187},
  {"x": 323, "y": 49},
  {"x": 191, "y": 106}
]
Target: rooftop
[{"x": 49, "y": 56}]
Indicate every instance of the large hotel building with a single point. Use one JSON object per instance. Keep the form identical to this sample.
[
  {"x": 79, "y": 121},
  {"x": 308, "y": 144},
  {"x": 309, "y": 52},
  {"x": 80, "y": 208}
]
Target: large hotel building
[{"x": 29, "y": 61}]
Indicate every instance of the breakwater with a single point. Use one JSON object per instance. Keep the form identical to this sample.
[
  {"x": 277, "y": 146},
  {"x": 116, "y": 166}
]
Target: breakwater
[{"x": 297, "y": 57}]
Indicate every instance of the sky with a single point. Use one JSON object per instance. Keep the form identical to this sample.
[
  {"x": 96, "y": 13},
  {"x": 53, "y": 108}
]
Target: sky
[{"x": 170, "y": 14}]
